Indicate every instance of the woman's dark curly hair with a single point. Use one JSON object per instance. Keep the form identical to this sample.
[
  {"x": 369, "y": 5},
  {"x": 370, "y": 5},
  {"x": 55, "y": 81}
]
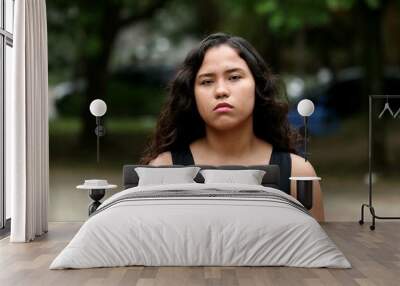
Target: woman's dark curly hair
[{"x": 180, "y": 123}]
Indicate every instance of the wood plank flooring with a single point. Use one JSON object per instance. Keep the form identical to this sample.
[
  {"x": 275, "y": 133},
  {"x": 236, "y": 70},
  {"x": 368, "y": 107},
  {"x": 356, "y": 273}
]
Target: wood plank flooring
[{"x": 374, "y": 255}]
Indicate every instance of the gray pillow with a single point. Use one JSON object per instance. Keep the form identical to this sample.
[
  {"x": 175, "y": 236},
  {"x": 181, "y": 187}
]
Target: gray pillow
[
  {"x": 162, "y": 176},
  {"x": 248, "y": 177}
]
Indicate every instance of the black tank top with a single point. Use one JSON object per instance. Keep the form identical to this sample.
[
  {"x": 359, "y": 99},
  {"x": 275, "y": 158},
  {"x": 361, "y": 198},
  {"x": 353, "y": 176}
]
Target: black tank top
[{"x": 185, "y": 157}]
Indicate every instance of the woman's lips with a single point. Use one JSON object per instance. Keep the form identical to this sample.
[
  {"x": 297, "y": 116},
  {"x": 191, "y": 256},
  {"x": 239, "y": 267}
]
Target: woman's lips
[{"x": 223, "y": 109}]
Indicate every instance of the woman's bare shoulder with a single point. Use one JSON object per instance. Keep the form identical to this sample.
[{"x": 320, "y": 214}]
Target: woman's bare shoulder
[
  {"x": 300, "y": 167},
  {"x": 164, "y": 158}
]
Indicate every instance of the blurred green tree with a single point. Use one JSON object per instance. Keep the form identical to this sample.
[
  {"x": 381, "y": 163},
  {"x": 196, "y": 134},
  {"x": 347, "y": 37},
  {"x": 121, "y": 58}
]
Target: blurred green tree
[
  {"x": 93, "y": 27},
  {"x": 295, "y": 16}
]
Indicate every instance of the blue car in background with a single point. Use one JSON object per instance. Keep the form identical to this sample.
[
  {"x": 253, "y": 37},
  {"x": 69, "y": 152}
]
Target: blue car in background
[{"x": 324, "y": 120}]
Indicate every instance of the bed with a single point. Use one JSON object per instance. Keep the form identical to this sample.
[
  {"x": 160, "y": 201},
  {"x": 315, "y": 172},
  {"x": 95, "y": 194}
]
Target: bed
[{"x": 201, "y": 223}]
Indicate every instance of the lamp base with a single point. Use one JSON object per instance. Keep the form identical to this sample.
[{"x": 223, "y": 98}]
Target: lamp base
[
  {"x": 96, "y": 195},
  {"x": 305, "y": 193}
]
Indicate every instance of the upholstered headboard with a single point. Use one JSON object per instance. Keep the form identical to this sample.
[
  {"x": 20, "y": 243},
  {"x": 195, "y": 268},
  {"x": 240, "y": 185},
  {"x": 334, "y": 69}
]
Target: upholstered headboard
[{"x": 271, "y": 178}]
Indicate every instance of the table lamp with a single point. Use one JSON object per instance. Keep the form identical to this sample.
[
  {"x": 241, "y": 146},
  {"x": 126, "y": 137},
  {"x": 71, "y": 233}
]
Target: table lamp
[
  {"x": 305, "y": 109},
  {"x": 98, "y": 108}
]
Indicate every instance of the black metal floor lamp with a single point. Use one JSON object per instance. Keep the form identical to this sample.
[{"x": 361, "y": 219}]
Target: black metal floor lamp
[
  {"x": 304, "y": 185},
  {"x": 370, "y": 155}
]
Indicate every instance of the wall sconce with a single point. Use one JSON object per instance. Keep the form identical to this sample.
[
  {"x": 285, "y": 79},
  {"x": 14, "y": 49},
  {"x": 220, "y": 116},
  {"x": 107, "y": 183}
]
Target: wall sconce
[
  {"x": 98, "y": 108},
  {"x": 305, "y": 109}
]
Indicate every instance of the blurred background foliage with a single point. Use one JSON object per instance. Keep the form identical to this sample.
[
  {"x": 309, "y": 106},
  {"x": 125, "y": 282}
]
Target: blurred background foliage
[{"x": 335, "y": 52}]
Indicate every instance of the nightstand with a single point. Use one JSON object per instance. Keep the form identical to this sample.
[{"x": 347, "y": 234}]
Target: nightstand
[
  {"x": 97, "y": 189},
  {"x": 304, "y": 187}
]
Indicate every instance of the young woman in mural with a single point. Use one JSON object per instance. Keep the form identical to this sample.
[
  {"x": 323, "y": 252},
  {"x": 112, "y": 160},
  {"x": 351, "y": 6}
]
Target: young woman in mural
[{"x": 223, "y": 108}]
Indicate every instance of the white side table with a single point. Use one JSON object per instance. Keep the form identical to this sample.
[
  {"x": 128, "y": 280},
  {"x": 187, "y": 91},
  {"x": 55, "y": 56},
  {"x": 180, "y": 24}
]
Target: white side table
[
  {"x": 304, "y": 187},
  {"x": 97, "y": 190}
]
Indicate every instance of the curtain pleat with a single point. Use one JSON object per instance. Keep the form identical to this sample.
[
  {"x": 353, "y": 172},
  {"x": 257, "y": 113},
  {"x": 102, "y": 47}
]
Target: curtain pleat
[
  {"x": 15, "y": 130},
  {"x": 30, "y": 181}
]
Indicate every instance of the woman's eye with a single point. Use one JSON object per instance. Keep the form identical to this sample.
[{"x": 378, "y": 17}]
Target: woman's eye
[
  {"x": 206, "y": 82},
  {"x": 235, "y": 77}
]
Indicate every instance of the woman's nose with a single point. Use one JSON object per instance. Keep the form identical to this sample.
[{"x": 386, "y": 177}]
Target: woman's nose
[{"x": 221, "y": 90}]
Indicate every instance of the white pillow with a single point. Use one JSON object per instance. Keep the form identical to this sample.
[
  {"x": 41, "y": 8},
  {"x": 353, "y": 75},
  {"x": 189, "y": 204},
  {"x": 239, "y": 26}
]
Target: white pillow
[
  {"x": 248, "y": 177},
  {"x": 162, "y": 176}
]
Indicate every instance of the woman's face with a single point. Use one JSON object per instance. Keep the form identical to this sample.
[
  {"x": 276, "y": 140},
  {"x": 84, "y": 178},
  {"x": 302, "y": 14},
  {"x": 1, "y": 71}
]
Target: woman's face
[{"x": 224, "y": 77}]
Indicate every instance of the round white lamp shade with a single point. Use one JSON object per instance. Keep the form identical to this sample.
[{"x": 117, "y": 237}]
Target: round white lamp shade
[
  {"x": 98, "y": 107},
  {"x": 305, "y": 107}
]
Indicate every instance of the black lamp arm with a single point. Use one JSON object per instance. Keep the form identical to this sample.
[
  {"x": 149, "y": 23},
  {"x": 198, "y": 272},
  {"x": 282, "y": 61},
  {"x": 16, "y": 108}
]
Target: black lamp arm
[
  {"x": 305, "y": 137},
  {"x": 99, "y": 131}
]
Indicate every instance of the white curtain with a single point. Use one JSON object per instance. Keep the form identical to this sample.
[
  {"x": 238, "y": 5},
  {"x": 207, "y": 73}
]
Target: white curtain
[{"x": 27, "y": 155}]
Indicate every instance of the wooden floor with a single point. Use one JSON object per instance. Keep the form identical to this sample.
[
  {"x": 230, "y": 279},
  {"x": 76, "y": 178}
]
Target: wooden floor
[{"x": 374, "y": 255}]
